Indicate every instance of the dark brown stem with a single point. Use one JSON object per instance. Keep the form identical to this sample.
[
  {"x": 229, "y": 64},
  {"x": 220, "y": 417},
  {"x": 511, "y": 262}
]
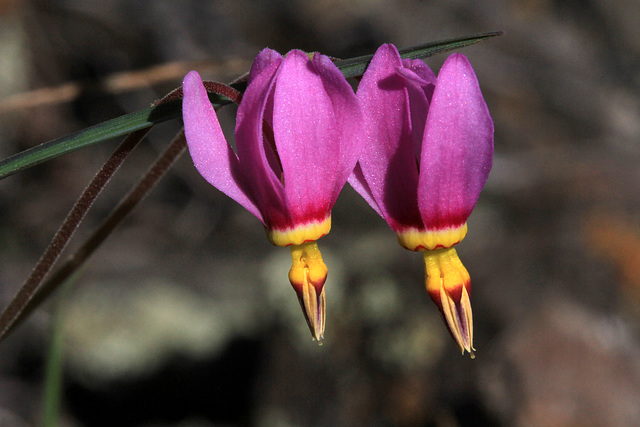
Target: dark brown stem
[
  {"x": 119, "y": 213},
  {"x": 212, "y": 87},
  {"x": 66, "y": 230},
  {"x": 224, "y": 90},
  {"x": 32, "y": 293}
]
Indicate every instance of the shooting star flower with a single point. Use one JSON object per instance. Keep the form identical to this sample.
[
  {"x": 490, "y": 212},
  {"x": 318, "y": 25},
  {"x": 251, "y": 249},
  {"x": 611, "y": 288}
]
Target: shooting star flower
[
  {"x": 298, "y": 138},
  {"x": 427, "y": 156}
]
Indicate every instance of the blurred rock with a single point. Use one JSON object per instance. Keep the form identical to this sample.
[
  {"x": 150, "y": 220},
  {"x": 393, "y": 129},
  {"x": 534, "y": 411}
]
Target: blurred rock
[{"x": 564, "y": 365}]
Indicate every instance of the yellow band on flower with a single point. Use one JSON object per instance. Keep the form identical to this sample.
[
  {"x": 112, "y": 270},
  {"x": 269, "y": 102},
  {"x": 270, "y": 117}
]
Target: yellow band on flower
[
  {"x": 301, "y": 234},
  {"x": 417, "y": 240}
]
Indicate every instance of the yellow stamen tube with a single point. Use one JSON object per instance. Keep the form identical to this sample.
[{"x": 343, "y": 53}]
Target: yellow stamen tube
[
  {"x": 449, "y": 285},
  {"x": 307, "y": 276}
]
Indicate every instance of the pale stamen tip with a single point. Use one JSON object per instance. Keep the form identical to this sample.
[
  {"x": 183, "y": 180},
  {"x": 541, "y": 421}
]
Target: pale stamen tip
[
  {"x": 317, "y": 335},
  {"x": 469, "y": 350}
]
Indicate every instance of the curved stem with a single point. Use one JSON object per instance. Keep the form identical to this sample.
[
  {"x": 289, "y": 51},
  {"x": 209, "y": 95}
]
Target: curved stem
[
  {"x": 24, "y": 301},
  {"x": 117, "y": 215},
  {"x": 60, "y": 240}
]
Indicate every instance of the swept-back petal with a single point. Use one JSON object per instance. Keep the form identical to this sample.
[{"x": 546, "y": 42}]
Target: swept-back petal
[
  {"x": 212, "y": 156},
  {"x": 357, "y": 181},
  {"x": 255, "y": 153},
  {"x": 388, "y": 161},
  {"x": 265, "y": 58},
  {"x": 457, "y": 150},
  {"x": 308, "y": 129},
  {"x": 348, "y": 116},
  {"x": 425, "y": 77},
  {"x": 420, "y": 72},
  {"x": 420, "y": 82}
]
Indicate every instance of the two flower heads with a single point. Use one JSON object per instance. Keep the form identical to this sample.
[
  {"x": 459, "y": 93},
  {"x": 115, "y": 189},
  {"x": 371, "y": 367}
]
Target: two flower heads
[{"x": 416, "y": 146}]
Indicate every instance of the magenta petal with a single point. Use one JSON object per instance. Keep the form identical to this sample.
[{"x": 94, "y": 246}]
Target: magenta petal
[
  {"x": 255, "y": 152},
  {"x": 211, "y": 154},
  {"x": 423, "y": 74},
  {"x": 265, "y": 58},
  {"x": 357, "y": 181},
  {"x": 313, "y": 106},
  {"x": 420, "y": 82},
  {"x": 457, "y": 150},
  {"x": 348, "y": 116},
  {"x": 388, "y": 160}
]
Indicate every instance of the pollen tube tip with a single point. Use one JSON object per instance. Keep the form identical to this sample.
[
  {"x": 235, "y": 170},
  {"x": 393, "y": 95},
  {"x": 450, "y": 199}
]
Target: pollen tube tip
[
  {"x": 307, "y": 276},
  {"x": 448, "y": 284}
]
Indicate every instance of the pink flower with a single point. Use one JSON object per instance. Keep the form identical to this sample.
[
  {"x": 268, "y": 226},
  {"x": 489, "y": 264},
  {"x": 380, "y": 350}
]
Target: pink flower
[
  {"x": 428, "y": 154},
  {"x": 298, "y": 138}
]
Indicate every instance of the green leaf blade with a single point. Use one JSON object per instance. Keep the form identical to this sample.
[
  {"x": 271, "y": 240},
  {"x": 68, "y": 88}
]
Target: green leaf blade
[
  {"x": 110, "y": 129},
  {"x": 356, "y": 66}
]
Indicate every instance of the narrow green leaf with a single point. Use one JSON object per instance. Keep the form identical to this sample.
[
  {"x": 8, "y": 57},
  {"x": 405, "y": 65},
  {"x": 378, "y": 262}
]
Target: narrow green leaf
[
  {"x": 170, "y": 110},
  {"x": 353, "y": 67},
  {"x": 104, "y": 131}
]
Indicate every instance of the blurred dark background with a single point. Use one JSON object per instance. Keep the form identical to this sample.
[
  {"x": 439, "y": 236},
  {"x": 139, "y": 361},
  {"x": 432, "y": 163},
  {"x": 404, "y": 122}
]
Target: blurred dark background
[{"x": 185, "y": 317}]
